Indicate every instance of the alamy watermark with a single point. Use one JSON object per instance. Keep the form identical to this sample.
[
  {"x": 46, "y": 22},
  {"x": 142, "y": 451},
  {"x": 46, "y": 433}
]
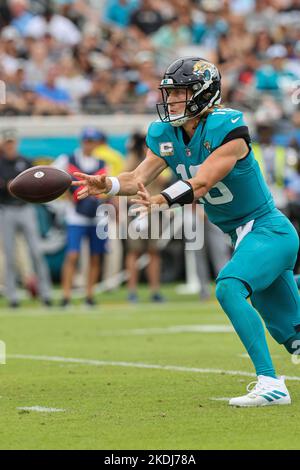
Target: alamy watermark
[
  {"x": 2, "y": 92},
  {"x": 2, "y": 352},
  {"x": 161, "y": 224},
  {"x": 296, "y": 93}
]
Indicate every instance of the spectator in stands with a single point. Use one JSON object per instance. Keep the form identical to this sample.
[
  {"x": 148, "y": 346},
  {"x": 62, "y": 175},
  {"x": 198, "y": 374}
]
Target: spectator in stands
[
  {"x": 274, "y": 77},
  {"x": 83, "y": 58},
  {"x": 5, "y": 16},
  {"x": 147, "y": 18},
  {"x": 210, "y": 26},
  {"x": 81, "y": 217},
  {"x": 15, "y": 103},
  {"x": 17, "y": 215},
  {"x": 36, "y": 68},
  {"x": 71, "y": 81},
  {"x": 172, "y": 35},
  {"x": 96, "y": 101},
  {"x": 57, "y": 99},
  {"x": 21, "y": 15},
  {"x": 256, "y": 45},
  {"x": 10, "y": 60},
  {"x": 58, "y": 26},
  {"x": 118, "y": 12},
  {"x": 169, "y": 38}
]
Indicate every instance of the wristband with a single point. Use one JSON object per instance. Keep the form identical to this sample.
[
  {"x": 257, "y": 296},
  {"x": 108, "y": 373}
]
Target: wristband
[
  {"x": 115, "y": 186},
  {"x": 179, "y": 193}
]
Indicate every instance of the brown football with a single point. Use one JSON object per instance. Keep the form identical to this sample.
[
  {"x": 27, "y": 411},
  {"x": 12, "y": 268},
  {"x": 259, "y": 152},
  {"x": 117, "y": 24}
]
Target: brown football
[{"x": 40, "y": 184}]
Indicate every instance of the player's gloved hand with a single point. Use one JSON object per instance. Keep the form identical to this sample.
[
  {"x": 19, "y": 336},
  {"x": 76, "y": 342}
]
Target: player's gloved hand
[{"x": 91, "y": 185}]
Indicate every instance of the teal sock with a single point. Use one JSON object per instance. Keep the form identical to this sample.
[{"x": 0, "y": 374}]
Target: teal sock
[
  {"x": 297, "y": 279},
  {"x": 292, "y": 345},
  {"x": 232, "y": 295}
]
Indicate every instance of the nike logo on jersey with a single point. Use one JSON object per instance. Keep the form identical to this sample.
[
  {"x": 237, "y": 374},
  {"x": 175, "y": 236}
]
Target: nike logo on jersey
[{"x": 235, "y": 120}]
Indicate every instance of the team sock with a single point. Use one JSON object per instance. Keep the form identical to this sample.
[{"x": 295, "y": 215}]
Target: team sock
[{"x": 232, "y": 295}]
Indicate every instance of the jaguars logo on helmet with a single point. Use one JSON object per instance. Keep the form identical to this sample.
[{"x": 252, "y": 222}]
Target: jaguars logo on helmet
[{"x": 202, "y": 82}]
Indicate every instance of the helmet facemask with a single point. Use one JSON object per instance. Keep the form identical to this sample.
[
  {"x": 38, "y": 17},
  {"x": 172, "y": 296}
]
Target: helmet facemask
[{"x": 175, "y": 120}]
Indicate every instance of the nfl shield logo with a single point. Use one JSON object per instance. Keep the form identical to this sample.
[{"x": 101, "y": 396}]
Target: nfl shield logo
[{"x": 188, "y": 152}]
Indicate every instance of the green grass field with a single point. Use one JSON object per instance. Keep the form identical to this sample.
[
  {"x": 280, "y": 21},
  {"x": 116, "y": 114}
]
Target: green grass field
[{"x": 120, "y": 403}]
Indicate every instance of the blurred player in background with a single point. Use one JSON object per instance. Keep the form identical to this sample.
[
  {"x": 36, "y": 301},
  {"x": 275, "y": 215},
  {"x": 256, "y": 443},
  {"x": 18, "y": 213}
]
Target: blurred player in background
[
  {"x": 18, "y": 216},
  {"x": 215, "y": 253},
  {"x": 209, "y": 149},
  {"x": 114, "y": 163},
  {"x": 293, "y": 195},
  {"x": 81, "y": 217},
  {"x": 274, "y": 162},
  {"x": 135, "y": 248},
  {"x": 25, "y": 271}
]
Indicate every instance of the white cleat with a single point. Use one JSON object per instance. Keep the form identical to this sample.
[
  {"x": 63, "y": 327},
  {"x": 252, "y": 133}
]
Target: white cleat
[{"x": 266, "y": 391}]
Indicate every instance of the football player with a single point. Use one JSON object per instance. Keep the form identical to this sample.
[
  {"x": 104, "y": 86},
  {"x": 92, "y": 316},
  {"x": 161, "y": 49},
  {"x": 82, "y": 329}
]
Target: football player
[{"x": 208, "y": 147}]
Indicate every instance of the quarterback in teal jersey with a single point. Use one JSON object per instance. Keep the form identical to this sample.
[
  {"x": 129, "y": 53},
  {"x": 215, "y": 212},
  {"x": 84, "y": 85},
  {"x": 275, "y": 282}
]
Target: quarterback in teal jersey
[{"x": 208, "y": 148}]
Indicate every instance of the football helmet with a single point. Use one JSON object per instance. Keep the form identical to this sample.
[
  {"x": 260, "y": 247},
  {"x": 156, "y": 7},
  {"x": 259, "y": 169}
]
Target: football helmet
[{"x": 199, "y": 76}]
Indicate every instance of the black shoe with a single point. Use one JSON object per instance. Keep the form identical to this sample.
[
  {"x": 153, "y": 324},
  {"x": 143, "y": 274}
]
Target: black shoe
[
  {"x": 157, "y": 297},
  {"x": 14, "y": 304},
  {"x": 90, "y": 302},
  {"x": 64, "y": 303},
  {"x": 47, "y": 302},
  {"x": 132, "y": 297}
]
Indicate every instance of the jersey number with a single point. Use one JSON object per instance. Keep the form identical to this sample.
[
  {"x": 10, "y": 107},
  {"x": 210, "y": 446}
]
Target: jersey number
[{"x": 226, "y": 194}]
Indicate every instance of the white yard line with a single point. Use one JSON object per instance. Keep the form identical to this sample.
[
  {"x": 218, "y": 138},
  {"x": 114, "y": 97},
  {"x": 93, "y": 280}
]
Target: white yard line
[
  {"x": 170, "y": 330},
  {"x": 40, "y": 409},
  {"x": 138, "y": 365}
]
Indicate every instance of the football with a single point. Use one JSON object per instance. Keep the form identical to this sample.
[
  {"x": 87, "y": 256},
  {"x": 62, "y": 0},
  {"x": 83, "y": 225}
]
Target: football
[{"x": 40, "y": 184}]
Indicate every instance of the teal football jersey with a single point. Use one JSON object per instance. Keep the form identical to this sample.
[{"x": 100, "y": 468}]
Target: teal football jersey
[{"x": 242, "y": 195}]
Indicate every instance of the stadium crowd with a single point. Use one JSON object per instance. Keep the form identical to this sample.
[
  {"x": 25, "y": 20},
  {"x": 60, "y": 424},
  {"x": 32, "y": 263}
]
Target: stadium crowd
[{"x": 70, "y": 56}]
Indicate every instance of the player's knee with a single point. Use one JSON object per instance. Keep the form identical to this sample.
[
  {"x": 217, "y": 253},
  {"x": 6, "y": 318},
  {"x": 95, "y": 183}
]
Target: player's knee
[
  {"x": 229, "y": 289},
  {"x": 224, "y": 290}
]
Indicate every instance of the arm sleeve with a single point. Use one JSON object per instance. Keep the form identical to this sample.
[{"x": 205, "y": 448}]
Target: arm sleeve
[
  {"x": 227, "y": 126},
  {"x": 238, "y": 133}
]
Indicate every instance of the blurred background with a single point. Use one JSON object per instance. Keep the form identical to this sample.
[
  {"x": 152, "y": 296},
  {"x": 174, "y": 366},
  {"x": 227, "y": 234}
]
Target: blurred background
[{"x": 79, "y": 80}]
